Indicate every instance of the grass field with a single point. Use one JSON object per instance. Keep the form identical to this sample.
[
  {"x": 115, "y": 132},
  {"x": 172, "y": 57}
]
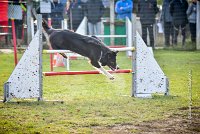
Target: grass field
[{"x": 94, "y": 104}]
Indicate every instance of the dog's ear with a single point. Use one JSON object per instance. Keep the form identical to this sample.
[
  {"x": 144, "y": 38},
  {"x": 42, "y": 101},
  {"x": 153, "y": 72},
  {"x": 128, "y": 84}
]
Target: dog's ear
[
  {"x": 112, "y": 54},
  {"x": 116, "y": 51}
]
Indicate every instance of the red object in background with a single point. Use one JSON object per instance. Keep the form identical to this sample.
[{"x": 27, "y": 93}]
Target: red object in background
[
  {"x": 3, "y": 10},
  {"x": 4, "y": 15},
  {"x": 4, "y": 23},
  {"x": 14, "y": 41}
]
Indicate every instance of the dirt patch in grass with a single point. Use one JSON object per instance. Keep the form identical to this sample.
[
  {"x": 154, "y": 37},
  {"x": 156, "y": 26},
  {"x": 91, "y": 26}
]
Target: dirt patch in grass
[{"x": 174, "y": 125}]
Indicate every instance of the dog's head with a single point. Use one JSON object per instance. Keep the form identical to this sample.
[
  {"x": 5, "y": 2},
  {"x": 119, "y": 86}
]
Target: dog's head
[{"x": 110, "y": 60}]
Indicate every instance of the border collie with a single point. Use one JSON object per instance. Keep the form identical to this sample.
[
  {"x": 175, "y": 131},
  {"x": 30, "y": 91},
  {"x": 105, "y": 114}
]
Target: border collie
[{"x": 91, "y": 47}]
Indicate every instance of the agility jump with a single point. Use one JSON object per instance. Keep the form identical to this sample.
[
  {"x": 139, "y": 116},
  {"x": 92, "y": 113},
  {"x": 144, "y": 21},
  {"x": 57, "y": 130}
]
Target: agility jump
[
  {"x": 86, "y": 72},
  {"x": 26, "y": 79}
]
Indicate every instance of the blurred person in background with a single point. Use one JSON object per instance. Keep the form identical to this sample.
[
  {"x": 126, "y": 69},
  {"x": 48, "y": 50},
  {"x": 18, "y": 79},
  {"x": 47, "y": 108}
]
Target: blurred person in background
[
  {"x": 94, "y": 10},
  {"x": 178, "y": 10},
  {"x": 75, "y": 14},
  {"x": 68, "y": 4},
  {"x": 57, "y": 13},
  {"x": 124, "y": 8},
  {"x": 192, "y": 18},
  {"x": 147, "y": 10},
  {"x": 166, "y": 20}
]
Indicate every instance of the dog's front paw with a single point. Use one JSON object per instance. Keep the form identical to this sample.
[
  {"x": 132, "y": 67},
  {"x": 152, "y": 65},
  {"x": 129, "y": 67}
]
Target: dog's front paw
[{"x": 112, "y": 78}]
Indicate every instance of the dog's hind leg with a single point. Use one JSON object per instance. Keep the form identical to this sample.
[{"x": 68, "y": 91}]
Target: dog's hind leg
[{"x": 102, "y": 70}]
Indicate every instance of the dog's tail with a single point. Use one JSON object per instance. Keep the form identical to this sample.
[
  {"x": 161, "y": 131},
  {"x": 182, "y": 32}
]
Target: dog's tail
[{"x": 45, "y": 25}]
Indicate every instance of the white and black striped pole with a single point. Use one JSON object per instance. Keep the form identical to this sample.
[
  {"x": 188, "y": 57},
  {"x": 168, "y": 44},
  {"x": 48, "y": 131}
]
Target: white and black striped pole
[
  {"x": 198, "y": 26},
  {"x": 39, "y": 28}
]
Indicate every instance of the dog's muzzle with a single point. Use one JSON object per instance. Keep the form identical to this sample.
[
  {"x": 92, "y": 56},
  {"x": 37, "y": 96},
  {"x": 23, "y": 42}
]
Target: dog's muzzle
[{"x": 114, "y": 69}]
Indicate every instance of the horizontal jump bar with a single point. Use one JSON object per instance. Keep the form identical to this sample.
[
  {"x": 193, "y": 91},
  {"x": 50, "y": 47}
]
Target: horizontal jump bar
[
  {"x": 1, "y": 34},
  {"x": 67, "y": 51},
  {"x": 5, "y": 26},
  {"x": 123, "y": 49},
  {"x": 56, "y": 51},
  {"x": 83, "y": 72}
]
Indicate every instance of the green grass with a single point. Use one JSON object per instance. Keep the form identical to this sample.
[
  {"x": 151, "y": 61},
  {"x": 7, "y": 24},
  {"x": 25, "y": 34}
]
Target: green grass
[{"x": 89, "y": 101}]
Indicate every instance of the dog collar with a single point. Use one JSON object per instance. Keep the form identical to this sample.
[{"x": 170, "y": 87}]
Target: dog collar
[
  {"x": 101, "y": 59},
  {"x": 100, "y": 56}
]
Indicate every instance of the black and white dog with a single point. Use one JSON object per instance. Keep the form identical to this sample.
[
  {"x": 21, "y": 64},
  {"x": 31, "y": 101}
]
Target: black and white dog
[{"x": 90, "y": 47}]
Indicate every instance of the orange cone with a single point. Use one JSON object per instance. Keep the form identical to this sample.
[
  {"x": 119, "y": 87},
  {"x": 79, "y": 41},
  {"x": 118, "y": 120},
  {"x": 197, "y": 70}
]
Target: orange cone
[{"x": 58, "y": 60}]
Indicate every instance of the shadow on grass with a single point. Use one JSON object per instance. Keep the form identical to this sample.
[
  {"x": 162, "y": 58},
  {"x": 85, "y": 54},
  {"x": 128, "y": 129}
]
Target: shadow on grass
[
  {"x": 33, "y": 102},
  {"x": 166, "y": 97}
]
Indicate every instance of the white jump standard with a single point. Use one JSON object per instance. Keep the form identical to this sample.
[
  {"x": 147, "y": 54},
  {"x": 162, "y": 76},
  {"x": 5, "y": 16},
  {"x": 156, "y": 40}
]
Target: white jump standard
[
  {"x": 26, "y": 79},
  {"x": 148, "y": 77}
]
